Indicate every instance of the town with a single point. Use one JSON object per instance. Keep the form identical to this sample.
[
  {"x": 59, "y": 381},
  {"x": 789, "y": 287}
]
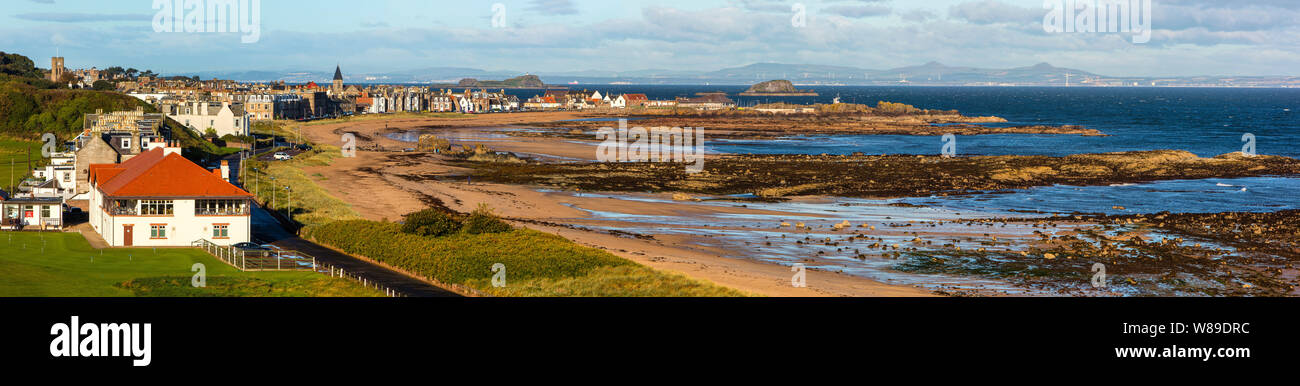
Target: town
[{"x": 125, "y": 169}]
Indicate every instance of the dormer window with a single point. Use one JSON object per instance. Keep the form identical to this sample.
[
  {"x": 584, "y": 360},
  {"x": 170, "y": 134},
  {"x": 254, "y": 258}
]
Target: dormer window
[{"x": 126, "y": 143}]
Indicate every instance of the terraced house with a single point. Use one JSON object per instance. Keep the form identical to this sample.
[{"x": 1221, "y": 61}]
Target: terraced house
[{"x": 161, "y": 199}]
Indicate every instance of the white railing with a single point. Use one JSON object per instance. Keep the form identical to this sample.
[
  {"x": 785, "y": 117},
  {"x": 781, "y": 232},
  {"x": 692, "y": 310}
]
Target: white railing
[{"x": 284, "y": 260}]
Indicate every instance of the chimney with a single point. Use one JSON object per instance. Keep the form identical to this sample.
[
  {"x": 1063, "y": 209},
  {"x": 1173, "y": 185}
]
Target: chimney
[
  {"x": 173, "y": 147},
  {"x": 135, "y": 142},
  {"x": 225, "y": 170}
]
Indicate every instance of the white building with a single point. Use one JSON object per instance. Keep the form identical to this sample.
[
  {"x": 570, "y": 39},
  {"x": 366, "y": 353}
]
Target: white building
[
  {"x": 60, "y": 176},
  {"x": 223, "y": 117},
  {"x": 31, "y": 212},
  {"x": 160, "y": 199}
]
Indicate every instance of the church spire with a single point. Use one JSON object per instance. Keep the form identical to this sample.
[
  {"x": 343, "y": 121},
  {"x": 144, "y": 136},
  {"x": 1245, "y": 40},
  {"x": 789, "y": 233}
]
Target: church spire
[{"x": 338, "y": 73}]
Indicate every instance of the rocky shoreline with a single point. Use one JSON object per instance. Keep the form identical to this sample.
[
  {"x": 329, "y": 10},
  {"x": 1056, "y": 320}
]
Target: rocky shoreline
[
  {"x": 1162, "y": 254},
  {"x": 766, "y": 127},
  {"x": 874, "y": 176}
]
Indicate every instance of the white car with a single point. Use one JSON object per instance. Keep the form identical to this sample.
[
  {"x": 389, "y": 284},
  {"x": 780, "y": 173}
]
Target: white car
[{"x": 282, "y": 156}]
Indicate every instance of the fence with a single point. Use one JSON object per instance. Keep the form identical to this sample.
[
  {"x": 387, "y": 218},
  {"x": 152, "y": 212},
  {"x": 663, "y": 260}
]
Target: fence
[{"x": 284, "y": 260}]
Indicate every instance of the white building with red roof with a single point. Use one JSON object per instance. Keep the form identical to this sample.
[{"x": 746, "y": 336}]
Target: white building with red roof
[{"x": 160, "y": 199}]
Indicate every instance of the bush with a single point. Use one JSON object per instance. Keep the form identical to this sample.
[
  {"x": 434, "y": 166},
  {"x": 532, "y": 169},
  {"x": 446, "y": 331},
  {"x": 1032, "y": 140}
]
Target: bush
[
  {"x": 430, "y": 222},
  {"x": 483, "y": 221}
]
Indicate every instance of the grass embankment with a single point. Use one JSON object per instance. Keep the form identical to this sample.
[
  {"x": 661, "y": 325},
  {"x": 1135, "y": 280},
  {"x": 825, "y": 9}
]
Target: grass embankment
[
  {"x": 13, "y": 160},
  {"x": 65, "y": 265},
  {"x": 536, "y": 264}
]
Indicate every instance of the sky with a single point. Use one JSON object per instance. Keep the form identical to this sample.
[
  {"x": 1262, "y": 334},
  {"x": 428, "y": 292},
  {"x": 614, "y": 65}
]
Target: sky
[{"x": 1188, "y": 37}]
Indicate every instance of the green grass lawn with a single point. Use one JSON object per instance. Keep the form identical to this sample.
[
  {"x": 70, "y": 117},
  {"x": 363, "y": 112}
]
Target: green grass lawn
[
  {"x": 16, "y": 152},
  {"x": 64, "y": 265}
]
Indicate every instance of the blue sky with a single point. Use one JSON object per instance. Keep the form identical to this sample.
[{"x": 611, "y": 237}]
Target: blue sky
[{"x": 1190, "y": 37}]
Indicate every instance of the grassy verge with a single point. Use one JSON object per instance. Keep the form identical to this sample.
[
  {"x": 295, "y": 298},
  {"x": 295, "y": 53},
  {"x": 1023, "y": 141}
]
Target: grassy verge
[
  {"x": 535, "y": 263},
  {"x": 64, "y": 264},
  {"x": 13, "y": 160}
]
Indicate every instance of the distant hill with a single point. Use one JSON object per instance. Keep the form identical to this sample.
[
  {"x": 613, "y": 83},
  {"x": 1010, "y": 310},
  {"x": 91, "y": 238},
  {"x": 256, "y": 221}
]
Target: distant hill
[{"x": 930, "y": 74}]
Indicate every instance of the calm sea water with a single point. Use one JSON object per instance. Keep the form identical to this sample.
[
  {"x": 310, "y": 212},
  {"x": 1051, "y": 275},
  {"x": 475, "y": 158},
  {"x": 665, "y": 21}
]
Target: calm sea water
[{"x": 1205, "y": 121}]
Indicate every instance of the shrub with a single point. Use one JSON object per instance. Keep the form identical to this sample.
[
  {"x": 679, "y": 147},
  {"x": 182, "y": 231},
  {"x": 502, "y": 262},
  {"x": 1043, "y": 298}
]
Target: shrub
[
  {"x": 483, "y": 221},
  {"x": 430, "y": 222}
]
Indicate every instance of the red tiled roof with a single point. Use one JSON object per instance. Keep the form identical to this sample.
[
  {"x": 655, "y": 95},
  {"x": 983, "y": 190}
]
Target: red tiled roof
[{"x": 153, "y": 174}]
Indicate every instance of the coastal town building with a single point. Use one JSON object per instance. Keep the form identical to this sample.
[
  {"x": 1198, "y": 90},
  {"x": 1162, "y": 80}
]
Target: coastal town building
[
  {"x": 111, "y": 138},
  {"x": 161, "y": 199},
  {"x": 223, "y": 118},
  {"x": 19, "y": 213}
]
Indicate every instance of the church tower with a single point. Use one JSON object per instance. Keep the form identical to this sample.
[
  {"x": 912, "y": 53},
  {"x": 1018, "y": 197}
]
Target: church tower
[
  {"x": 337, "y": 87},
  {"x": 56, "y": 68}
]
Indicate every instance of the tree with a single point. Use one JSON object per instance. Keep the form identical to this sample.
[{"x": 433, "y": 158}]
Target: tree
[
  {"x": 18, "y": 65},
  {"x": 112, "y": 72},
  {"x": 103, "y": 85}
]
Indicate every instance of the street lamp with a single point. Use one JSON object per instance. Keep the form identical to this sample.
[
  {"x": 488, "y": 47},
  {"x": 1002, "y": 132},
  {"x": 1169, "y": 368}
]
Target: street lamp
[
  {"x": 287, "y": 189},
  {"x": 273, "y": 195}
]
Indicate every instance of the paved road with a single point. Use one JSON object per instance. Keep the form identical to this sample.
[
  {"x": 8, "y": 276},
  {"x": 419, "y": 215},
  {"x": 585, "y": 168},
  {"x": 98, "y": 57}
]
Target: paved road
[{"x": 401, "y": 283}]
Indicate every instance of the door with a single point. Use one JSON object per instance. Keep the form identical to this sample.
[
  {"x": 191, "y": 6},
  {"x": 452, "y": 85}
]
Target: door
[{"x": 128, "y": 235}]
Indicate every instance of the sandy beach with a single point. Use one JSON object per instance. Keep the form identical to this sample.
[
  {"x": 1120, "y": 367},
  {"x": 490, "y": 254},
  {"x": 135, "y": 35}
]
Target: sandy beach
[{"x": 379, "y": 185}]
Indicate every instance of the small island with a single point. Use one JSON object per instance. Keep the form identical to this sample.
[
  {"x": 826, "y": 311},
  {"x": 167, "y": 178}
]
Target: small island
[
  {"x": 776, "y": 88},
  {"x": 525, "y": 81}
]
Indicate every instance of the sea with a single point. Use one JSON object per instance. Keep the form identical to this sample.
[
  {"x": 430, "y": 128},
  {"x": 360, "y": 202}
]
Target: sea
[{"x": 1204, "y": 121}]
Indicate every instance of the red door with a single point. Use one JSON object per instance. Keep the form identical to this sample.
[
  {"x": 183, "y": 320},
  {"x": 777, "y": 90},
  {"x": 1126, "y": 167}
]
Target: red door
[{"x": 128, "y": 235}]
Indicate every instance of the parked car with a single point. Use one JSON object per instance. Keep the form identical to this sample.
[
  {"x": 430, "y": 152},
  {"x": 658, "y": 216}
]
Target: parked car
[
  {"x": 251, "y": 249},
  {"x": 282, "y": 156}
]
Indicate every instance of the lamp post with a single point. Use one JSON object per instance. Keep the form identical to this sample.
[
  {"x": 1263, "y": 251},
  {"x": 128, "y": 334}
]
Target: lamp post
[
  {"x": 273, "y": 194},
  {"x": 287, "y": 189}
]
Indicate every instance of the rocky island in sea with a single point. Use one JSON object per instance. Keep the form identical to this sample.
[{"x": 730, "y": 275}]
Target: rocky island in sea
[
  {"x": 776, "y": 88},
  {"x": 519, "y": 82}
]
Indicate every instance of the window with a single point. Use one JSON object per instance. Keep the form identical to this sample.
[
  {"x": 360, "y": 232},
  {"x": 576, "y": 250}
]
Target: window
[
  {"x": 158, "y": 231},
  {"x": 45, "y": 211},
  {"x": 220, "y": 231},
  {"x": 156, "y": 208},
  {"x": 220, "y": 208},
  {"x": 126, "y": 143}
]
